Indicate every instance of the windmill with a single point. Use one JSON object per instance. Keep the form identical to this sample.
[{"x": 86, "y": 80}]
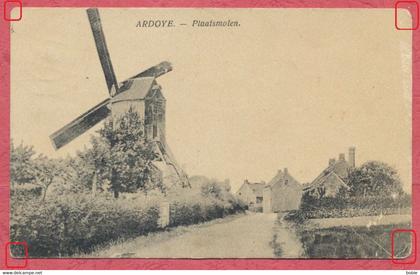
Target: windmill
[{"x": 140, "y": 92}]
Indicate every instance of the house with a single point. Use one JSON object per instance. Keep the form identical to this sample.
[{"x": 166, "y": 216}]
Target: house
[
  {"x": 282, "y": 193},
  {"x": 252, "y": 194},
  {"x": 333, "y": 177}
]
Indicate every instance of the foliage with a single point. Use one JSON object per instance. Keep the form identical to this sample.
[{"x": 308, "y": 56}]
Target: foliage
[
  {"x": 77, "y": 223},
  {"x": 21, "y": 163},
  {"x": 37, "y": 173},
  {"x": 131, "y": 155},
  {"x": 62, "y": 226},
  {"x": 92, "y": 165},
  {"x": 26, "y": 191},
  {"x": 46, "y": 171},
  {"x": 374, "y": 178},
  {"x": 350, "y": 207},
  {"x": 206, "y": 200},
  {"x": 190, "y": 210},
  {"x": 373, "y": 188},
  {"x": 73, "y": 221},
  {"x": 309, "y": 202},
  {"x": 211, "y": 189}
]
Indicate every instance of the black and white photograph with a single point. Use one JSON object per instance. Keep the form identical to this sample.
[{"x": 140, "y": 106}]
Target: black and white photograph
[{"x": 210, "y": 133}]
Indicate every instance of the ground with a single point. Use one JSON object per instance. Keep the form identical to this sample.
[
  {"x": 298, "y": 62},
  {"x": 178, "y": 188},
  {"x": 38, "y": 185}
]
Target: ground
[
  {"x": 251, "y": 235},
  {"x": 286, "y": 243},
  {"x": 239, "y": 236}
]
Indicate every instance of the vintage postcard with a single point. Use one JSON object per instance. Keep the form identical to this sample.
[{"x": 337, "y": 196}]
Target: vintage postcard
[{"x": 211, "y": 133}]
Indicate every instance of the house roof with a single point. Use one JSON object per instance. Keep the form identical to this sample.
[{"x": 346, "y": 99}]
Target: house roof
[
  {"x": 338, "y": 169},
  {"x": 280, "y": 179},
  {"x": 332, "y": 178},
  {"x": 256, "y": 187},
  {"x": 134, "y": 89}
]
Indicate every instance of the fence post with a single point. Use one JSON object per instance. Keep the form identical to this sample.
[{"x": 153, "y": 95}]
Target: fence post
[{"x": 164, "y": 214}]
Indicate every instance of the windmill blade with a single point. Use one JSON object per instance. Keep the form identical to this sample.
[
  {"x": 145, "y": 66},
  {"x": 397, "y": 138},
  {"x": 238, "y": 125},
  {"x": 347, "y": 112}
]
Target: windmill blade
[
  {"x": 80, "y": 124},
  {"x": 99, "y": 37},
  {"x": 156, "y": 71}
]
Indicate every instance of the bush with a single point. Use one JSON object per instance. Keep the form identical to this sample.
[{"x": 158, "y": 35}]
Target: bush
[
  {"x": 297, "y": 216},
  {"x": 26, "y": 191},
  {"x": 328, "y": 207},
  {"x": 190, "y": 211},
  {"x": 77, "y": 223},
  {"x": 68, "y": 225},
  {"x": 357, "y": 202}
]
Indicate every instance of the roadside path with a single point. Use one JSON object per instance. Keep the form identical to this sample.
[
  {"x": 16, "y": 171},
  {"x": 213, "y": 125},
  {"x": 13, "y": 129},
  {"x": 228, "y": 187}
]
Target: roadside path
[
  {"x": 241, "y": 236},
  {"x": 286, "y": 242}
]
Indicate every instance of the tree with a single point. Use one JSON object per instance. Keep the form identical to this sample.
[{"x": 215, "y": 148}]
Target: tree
[
  {"x": 131, "y": 155},
  {"x": 46, "y": 171},
  {"x": 93, "y": 164},
  {"x": 212, "y": 189},
  {"x": 21, "y": 163},
  {"x": 374, "y": 178}
]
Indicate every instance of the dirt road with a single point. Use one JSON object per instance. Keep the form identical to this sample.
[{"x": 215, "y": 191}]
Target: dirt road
[{"x": 244, "y": 236}]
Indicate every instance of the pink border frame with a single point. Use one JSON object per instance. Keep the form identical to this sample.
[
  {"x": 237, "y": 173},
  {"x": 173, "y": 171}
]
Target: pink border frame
[{"x": 45, "y": 264}]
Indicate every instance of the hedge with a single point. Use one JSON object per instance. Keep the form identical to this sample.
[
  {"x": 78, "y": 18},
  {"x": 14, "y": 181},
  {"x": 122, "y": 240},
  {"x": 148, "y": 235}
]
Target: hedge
[
  {"x": 402, "y": 201},
  {"x": 185, "y": 212},
  {"x": 351, "y": 207},
  {"x": 69, "y": 225}
]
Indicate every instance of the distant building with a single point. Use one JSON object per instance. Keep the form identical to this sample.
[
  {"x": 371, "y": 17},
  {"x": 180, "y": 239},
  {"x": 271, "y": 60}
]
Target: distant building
[
  {"x": 332, "y": 178},
  {"x": 282, "y": 193},
  {"x": 252, "y": 194}
]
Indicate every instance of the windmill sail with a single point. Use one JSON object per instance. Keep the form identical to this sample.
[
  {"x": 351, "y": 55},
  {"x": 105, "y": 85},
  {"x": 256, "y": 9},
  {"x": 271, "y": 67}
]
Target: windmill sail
[
  {"x": 90, "y": 118},
  {"x": 99, "y": 37},
  {"x": 156, "y": 71},
  {"x": 80, "y": 124},
  {"x": 87, "y": 120}
]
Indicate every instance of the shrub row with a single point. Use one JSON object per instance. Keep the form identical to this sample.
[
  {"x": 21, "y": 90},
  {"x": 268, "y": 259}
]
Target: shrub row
[
  {"x": 360, "y": 202},
  {"x": 26, "y": 191},
  {"x": 350, "y": 207},
  {"x": 185, "y": 212},
  {"x": 75, "y": 224},
  {"x": 301, "y": 215},
  {"x": 68, "y": 225}
]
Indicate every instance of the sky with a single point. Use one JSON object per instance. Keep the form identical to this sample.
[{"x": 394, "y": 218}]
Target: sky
[{"x": 287, "y": 88}]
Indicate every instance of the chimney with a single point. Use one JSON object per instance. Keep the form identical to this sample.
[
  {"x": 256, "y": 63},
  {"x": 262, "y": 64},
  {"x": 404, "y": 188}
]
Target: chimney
[
  {"x": 331, "y": 162},
  {"x": 286, "y": 172},
  {"x": 352, "y": 156},
  {"x": 341, "y": 157}
]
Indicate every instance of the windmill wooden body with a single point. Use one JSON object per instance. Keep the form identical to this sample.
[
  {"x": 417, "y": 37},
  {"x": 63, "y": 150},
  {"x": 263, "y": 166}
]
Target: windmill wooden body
[{"x": 141, "y": 93}]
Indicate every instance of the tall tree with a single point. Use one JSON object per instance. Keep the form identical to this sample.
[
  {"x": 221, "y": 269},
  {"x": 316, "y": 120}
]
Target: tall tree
[
  {"x": 131, "y": 155},
  {"x": 21, "y": 163},
  {"x": 374, "y": 178},
  {"x": 93, "y": 164},
  {"x": 47, "y": 171}
]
